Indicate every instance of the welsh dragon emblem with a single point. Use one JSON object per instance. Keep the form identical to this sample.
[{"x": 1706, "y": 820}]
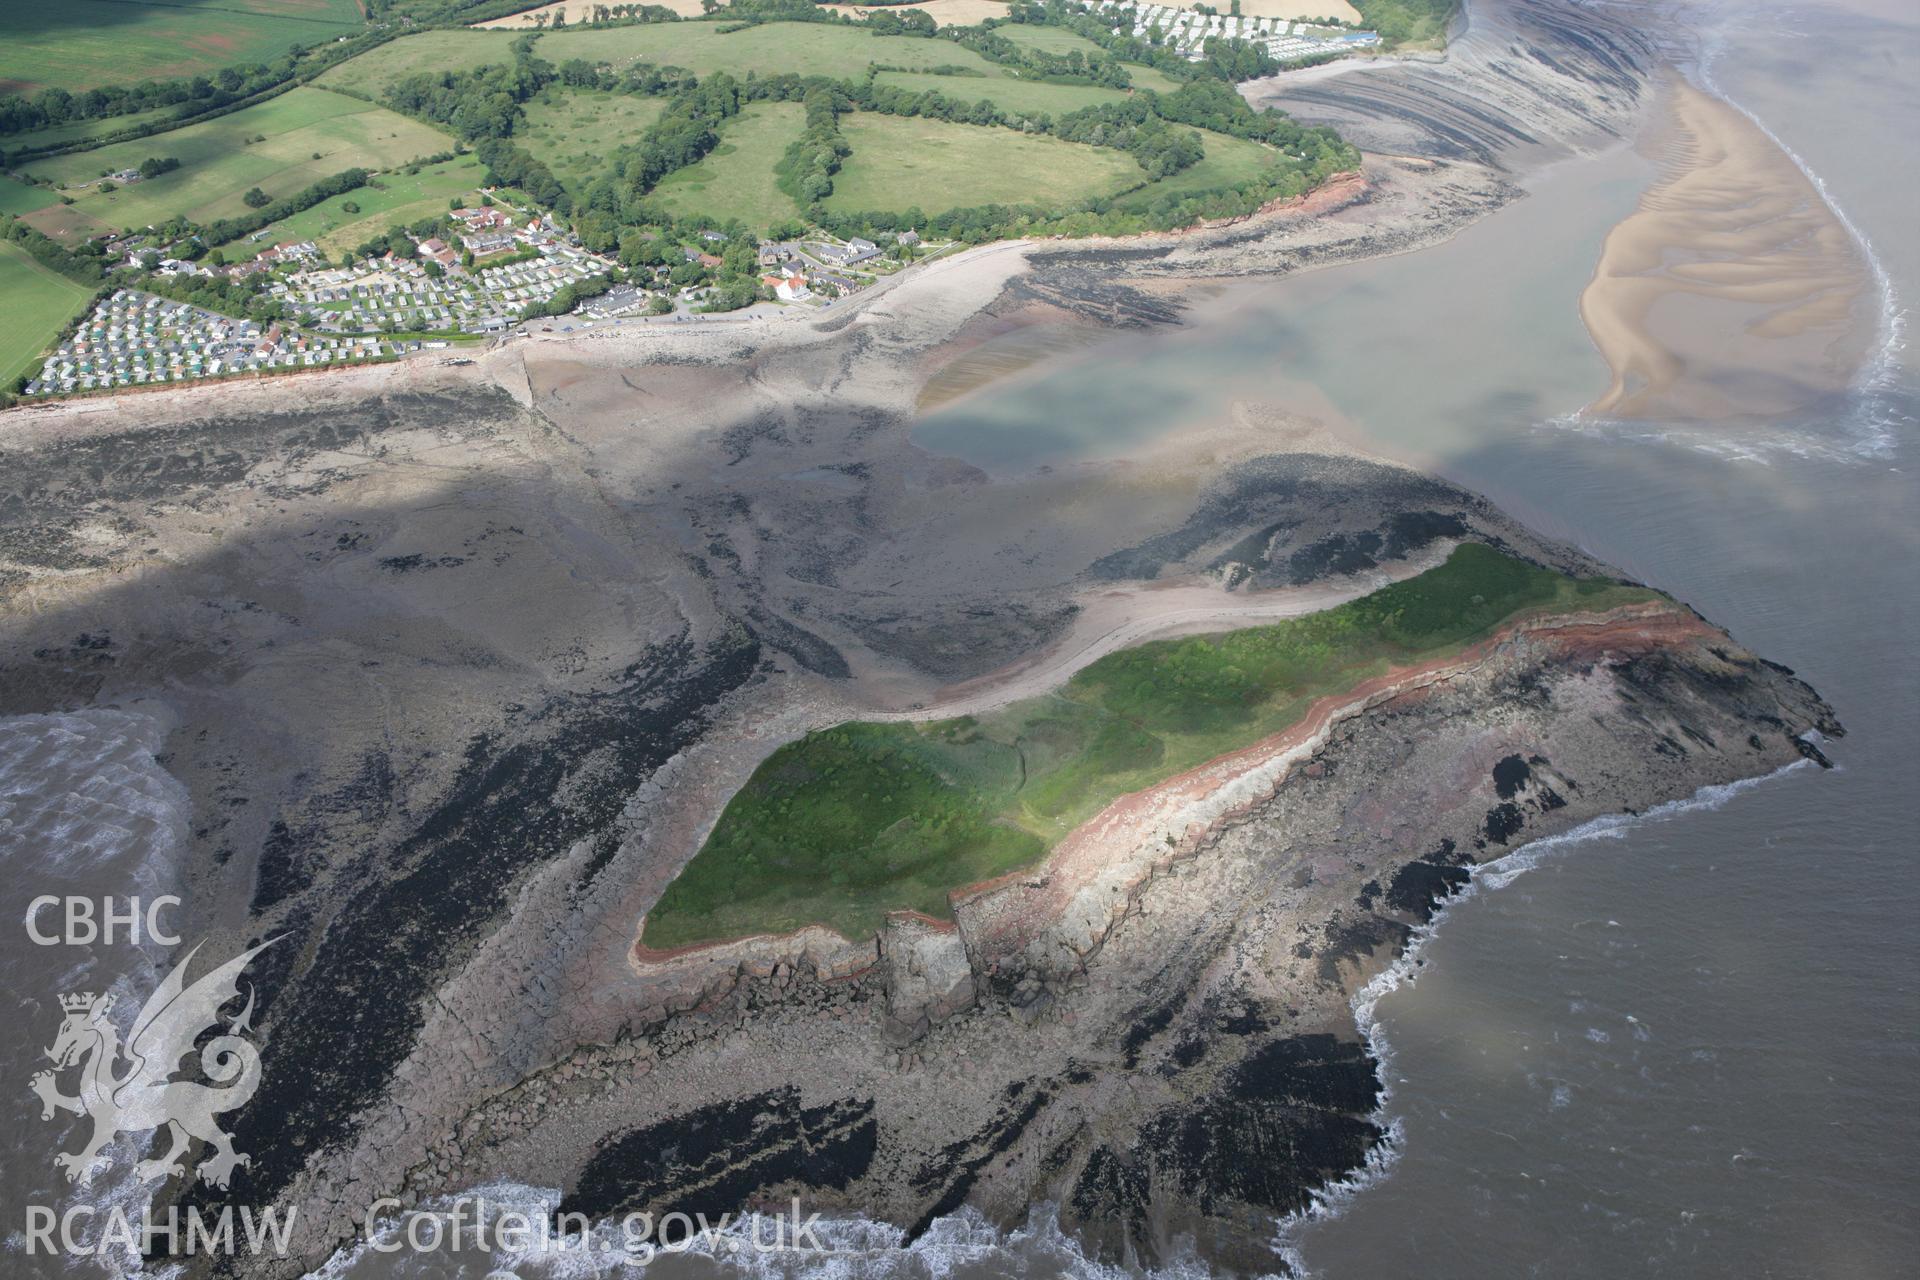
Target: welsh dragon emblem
[{"x": 143, "y": 1094}]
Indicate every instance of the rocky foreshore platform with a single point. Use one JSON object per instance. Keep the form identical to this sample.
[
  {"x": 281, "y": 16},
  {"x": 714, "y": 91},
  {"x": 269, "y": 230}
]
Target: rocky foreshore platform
[
  {"x": 463, "y": 661},
  {"x": 1140, "y": 1028},
  {"x": 1024, "y": 934}
]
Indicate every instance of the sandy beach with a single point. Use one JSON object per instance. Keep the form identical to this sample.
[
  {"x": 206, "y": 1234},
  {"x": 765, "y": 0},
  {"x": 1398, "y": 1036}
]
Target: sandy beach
[
  {"x": 1733, "y": 290},
  {"x": 1116, "y": 618}
]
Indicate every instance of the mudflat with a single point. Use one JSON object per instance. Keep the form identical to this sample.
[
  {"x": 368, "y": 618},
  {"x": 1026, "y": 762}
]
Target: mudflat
[{"x": 462, "y": 664}]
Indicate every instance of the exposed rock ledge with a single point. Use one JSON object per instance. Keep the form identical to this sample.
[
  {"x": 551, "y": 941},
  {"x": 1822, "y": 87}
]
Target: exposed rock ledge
[{"x": 1156, "y": 1038}]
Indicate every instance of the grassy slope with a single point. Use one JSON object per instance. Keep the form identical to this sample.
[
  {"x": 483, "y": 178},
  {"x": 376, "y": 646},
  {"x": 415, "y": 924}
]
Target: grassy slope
[
  {"x": 18, "y": 197},
  {"x": 401, "y": 198},
  {"x": 1148, "y": 78},
  {"x": 803, "y": 48},
  {"x": 852, "y": 822},
  {"x": 218, "y": 165},
  {"x": 38, "y": 303},
  {"x": 1228, "y": 162},
  {"x": 1050, "y": 39},
  {"x": 369, "y": 74},
  {"x": 60, "y": 135},
  {"x": 575, "y": 131},
  {"x": 1409, "y": 23},
  {"x": 81, "y": 44},
  {"x": 898, "y": 162},
  {"x": 736, "y": 180},
  {"x": 1010, "y": 95}
]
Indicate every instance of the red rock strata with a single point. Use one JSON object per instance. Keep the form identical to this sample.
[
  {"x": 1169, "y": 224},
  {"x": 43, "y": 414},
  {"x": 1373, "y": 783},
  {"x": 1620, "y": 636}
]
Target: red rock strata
[
  {"x": 1046, "y": 920},
  {"x": 1050, "y": 917}
]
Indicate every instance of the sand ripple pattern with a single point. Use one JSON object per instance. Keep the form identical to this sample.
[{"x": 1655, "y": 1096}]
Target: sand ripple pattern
[{"x": 1734, "y": 289}]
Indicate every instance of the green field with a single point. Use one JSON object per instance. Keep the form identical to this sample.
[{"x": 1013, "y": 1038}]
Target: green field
[
  {"x": 1148, "y": 78},
  {"x": 218, "y": 163},
  {"x": 372, "y": 72},
  {"x": 736, "y": 179},
  {"x": 1012, "y": 96},
  {"x": 39, "y": 302},
  {"x": 60, "y": 135},
  {"x": 1229, "y": 162},
  {"x": 401, "y": 199},
  {"x": 773, "y": 48},
  {"x": 1055, "y": 40},
  {"x": 852, "y": 822},
  {"x": 18, "y": 197},
  {"x": 898, "y": 162},
  {"x": 81, "y": 44},
  {"x": 1050, "y": 39},
  {"x": 575, "y": 131},
  {"x": 766, "y": 49}
]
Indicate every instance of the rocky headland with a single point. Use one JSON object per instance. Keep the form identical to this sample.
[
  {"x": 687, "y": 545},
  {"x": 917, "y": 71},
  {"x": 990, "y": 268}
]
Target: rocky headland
[
  {"x": 461, "y": 665},
  {"x": 1151, "y": 1028}
]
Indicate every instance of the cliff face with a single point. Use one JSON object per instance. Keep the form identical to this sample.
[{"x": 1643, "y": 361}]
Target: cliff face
[
  {"x": 1152, "y": 1028},
  {"x": 1154, "y": 1035},
  {"x": 461, "y": 680}
]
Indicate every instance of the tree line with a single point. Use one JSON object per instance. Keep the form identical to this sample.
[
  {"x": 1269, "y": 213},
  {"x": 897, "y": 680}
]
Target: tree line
[
  {"x": 223, "y": 230},
  {"x": 806, "y": 171},
  {"x": 486, "y": 106}
]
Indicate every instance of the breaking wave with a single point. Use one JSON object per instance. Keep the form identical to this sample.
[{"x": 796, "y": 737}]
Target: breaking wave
[
  {"x": 85, "y": 808},
  {"x": 1331, "y": 1200},
  {"x": 965, "y": 1244},
  {"x": 961, "y": 1244},
  {"x": 81, "y": 792},
  {"x": 1878, "y": 407}
]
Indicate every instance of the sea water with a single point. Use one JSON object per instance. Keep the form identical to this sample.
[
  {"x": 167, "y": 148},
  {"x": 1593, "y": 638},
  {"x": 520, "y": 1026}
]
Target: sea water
[
  {"x": 1686, "y": 1045},
  {"x": 1683, "y": 1045}
]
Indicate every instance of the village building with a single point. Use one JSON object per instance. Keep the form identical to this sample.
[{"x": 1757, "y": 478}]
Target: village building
[
  {"x": 439, "y": 251},
  {"x": 788, "y": 288},
  {"x": 774, "y": 252},
  {"x": 485, "y": 219},
  {"x": 840, "y": 282},
  {"x": 854, "y": 250},
  {"x": 618, "y": 301},
  {"x": 135, "y": 338},
  {"x": 482, "y": 243}
]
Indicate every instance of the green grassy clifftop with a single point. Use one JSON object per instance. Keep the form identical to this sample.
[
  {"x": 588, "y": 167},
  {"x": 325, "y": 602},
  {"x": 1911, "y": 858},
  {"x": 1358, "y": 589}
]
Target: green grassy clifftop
[{"x": 852, "y": 822}]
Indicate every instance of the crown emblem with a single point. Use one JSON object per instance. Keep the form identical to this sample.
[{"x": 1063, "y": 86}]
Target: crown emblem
[{"x": 175, "y": 1020}]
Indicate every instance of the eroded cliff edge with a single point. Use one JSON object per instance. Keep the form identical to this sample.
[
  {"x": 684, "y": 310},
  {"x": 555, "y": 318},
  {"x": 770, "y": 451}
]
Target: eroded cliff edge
[
  {"x": 458, "y": 678},
  {"x": 1152, "y": 1028}
]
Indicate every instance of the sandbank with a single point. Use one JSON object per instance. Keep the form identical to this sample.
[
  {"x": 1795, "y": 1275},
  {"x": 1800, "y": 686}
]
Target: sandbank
[{"x": 1733, "y": 290}]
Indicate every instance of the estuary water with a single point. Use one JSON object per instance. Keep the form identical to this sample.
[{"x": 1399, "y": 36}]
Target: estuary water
[
  {"x": 1687, "y": 1045},
  {"x": 1684, "y": 1046}
]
